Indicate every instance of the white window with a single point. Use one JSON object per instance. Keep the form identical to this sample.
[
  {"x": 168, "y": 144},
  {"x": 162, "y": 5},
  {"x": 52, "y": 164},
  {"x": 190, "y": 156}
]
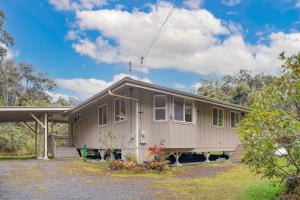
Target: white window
[
  {"x": 234, "y": 119},
  {"x": 102, "y": 115},
  {"x": 120, "y": 109},
  {"x": 160, "y": 107},
  {"x": 78, "y": 117},
  {"x": 218, "y": 117},
  {"x": 183, "y": 110}
]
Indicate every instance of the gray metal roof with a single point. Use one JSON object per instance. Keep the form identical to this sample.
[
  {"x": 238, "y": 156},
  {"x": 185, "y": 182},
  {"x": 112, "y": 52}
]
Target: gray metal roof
[{"x": 149, "y": 86}]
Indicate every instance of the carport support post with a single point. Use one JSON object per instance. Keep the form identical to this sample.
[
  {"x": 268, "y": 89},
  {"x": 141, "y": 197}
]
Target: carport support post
[
  {"x": 35, "y": 139},
  {"x": 46, "y": 137}
]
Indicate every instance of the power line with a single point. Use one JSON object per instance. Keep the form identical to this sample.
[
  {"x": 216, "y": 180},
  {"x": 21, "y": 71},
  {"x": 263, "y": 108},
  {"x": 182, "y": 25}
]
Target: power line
[{"x": 158, "y": 33}]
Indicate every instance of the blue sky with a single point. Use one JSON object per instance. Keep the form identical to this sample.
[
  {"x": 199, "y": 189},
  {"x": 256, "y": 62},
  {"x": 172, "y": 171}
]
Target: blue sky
[{"x": 86, "y": 44}]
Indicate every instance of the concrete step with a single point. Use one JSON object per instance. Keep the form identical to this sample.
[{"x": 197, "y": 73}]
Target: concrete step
[
  {"x": 237, "y": 155},
  {"x": 66, "y": 152}
]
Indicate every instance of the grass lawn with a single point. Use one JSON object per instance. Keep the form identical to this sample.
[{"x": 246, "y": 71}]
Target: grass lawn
[
  {"x": 207, "y": 181},
  {"x": 236, "y": 183},
  {"x": 21, "y": 157}
]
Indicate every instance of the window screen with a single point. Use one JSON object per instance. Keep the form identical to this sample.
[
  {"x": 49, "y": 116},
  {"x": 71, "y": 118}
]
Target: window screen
[{"x": 160, "y": 107}]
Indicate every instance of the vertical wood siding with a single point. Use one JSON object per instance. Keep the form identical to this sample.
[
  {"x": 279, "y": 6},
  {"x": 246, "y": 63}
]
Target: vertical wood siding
[{"x": 197, "y": 136}]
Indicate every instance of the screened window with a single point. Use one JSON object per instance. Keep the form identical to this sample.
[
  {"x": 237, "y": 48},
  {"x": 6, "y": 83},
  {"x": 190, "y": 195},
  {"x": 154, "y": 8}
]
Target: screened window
[
  {"x": 218, "y": 117},
  {"x": 102, "y": 115},
  {"x": 183, "y": 110},
  {"x": 160, "y": 107},
  {"x": 234, "y": 119},
  {"x": 120, "y": 109}
]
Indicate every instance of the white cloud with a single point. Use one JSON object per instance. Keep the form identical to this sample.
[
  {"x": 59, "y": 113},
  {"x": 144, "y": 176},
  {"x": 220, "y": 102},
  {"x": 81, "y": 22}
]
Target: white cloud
[
  {"x": 84, "y": 88},
  {"x": 75, "y": 5},
  {"x": 232, "y": 13},
  {"x": 231, "y": 2},
  {"x": 195, "y": 86},
  {"x": 72, "y": 35},
  {"x": 179, "y": 86},
  {"x": 10, "y": 54},
  {"x": 55, "y": 96},
  {"x": 193, "y": 4},
  {"x": 298, "y": 3},
  {"x": 204, "y": 45}
]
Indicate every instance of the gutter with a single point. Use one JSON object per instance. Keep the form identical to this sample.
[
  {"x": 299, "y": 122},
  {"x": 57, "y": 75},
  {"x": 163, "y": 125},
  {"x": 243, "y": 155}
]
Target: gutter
[{"x": 136, "y": 119}]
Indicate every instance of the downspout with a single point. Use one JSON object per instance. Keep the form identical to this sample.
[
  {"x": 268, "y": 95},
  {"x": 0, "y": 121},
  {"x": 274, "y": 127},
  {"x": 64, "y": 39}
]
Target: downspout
[{"x": 136, "y": 119}]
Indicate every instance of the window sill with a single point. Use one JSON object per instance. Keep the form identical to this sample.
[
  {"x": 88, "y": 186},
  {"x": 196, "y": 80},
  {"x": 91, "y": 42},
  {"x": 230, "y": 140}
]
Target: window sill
[
  {"x": 103, "y": 125},
  {"x": 160, "y": 121},
  {"x": 218, "y": 126},
  {"x": 118, "y": 122},
  {"x": 183, "y": 122}
]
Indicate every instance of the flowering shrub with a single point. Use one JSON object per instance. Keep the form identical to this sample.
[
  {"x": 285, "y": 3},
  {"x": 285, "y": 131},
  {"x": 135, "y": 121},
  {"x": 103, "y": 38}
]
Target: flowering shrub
[
  {"x": 157, "y": 163},
  {"x": 157, "y": 153}
]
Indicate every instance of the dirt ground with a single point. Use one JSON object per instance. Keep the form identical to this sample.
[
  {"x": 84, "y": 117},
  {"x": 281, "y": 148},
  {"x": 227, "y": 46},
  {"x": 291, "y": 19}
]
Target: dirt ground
[{"x": 37, "y": 179}]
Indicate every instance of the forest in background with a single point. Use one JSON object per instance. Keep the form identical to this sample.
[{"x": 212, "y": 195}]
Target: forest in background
[{"x": 22, "y": 85}]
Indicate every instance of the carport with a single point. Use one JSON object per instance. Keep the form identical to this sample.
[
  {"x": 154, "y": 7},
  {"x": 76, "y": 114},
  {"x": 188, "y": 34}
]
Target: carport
[{"x": 39, "y": 115}]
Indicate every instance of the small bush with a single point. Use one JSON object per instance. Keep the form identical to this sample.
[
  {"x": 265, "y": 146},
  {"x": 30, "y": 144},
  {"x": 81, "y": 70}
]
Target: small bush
[
  {"x": 131, "y": 157},
  {"x": 158, "y": 165},
  {"x": 116, "y": 165},
  {"x": 130, "y": 165}
]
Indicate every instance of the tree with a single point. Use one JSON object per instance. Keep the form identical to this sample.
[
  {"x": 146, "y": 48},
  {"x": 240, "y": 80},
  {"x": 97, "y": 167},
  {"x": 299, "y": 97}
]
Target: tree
[
  {"x": 5, "y": 39},
  {"x": 273, "y": 127},
  {"x": 235, "y": 88},
  {"x": 20, "y": 84},
  {"x": 10, "y": 82},
  {"x": 62, "y": 102}
]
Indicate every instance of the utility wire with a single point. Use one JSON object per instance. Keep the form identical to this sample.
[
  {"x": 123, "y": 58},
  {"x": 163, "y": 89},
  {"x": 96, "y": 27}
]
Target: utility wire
[{"x": 158, "y": 33}]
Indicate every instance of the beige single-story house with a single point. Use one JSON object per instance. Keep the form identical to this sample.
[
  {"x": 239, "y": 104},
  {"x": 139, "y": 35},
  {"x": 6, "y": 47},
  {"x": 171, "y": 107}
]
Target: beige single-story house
[
  {"x": 137, "y": 115},
  {"x": 130, "y": 116}
]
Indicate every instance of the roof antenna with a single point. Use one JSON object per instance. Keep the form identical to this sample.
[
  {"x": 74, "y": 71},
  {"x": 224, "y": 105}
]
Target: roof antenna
[
  {"x": 130, "y": 68},
  {"x": 142, "y": 62}
]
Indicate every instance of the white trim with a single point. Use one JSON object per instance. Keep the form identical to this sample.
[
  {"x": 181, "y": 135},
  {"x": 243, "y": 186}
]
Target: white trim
[
  {"x": 160, "y": 108},
  {"x": 212, "y": 117},
  {"x": 236, "y": 113},
  {"x": 33, "y": 109},
  {"x": 187, "y": 97},
  {"x": 114, "y": 115},
  {"x": 193, "y": 111},
  {"x": 102, "y": 105}
]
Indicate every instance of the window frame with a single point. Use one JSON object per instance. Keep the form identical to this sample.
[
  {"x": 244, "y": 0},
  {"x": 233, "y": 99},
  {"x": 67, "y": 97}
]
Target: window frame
[
  {"x": 78, "y": 117},
  {"x": 193, "y": 111},
  {"x": 102, "y": 105},
  {"x": 212, "y": 117},
  {"x": 166, "y": 108},
  {"x": 125, "y": 118},
  {"x": 235, "y": 115}
]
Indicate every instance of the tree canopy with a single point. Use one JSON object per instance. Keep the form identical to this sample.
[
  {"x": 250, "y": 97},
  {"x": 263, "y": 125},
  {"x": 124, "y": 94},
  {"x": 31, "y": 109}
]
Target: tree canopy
[
  {"x": 235, "y": 88},
  {"x": 270, "y": 133},
  {"x": 5, "y": 39}
]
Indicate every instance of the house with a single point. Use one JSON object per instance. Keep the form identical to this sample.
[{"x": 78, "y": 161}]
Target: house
[{"x": 140, "y": 114}]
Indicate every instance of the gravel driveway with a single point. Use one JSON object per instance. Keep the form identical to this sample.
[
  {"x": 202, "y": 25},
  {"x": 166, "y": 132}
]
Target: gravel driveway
[
  {"x": 75, "y": 179},
  {"x": 36, "y": 179}
]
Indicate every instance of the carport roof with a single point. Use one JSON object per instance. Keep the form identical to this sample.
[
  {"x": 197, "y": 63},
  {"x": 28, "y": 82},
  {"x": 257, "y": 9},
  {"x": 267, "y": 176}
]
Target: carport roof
[{"x": 23, "y": 114}]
